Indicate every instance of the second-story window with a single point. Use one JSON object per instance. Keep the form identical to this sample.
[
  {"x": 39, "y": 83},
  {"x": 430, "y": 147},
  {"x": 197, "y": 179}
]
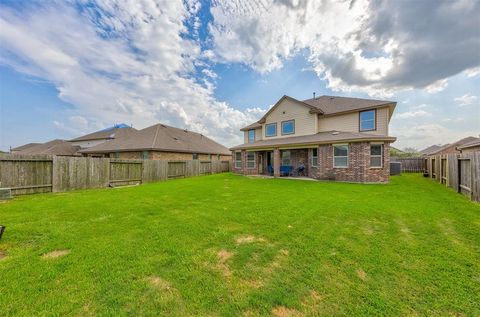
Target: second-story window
[
  {"x": 367, "y": 120},
  {"x": 288, "y": 127},
  {"x": 271, "y": 129},
  {"x": 251, "y": 136}
]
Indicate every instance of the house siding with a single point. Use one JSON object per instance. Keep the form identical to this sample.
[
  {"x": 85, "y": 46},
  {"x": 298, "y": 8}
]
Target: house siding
[
  {"x": 349, "y": 122},
  {"x": 305, "y": 122}
]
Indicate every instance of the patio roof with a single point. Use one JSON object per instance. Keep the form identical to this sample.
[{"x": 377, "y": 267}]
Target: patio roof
[{"x": 313, "y": 139}]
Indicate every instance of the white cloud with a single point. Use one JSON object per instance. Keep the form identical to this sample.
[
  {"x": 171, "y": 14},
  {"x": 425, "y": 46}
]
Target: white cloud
[
  {"x": 473, "y": 72},
  {"x": 424, "y": 135},
  {"x": 466, "y": 100},
  {"x": 367, "y": 46},
  {"x": 413, "y": 114},
  {"x": 122, "y": 62}
]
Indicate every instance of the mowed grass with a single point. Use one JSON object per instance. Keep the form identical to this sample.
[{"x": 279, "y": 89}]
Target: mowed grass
[{"x": 227, "y": 245}]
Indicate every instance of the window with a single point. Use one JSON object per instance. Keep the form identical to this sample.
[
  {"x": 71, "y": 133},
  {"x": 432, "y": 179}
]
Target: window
[
  {"x": 145, "y": 155},
  {"x": 376, "y": 155},
  {"x": 285, "y": 158},
  {"x": 209, "y": 157},
  {"x": 250, "y": 159},
  {"x": 116, "y": 155},
  {"x": 271, "y": 129},
  {"x": 218, "y": 157},
  {"x": 251, "y": 136},
  {"x": 238, "y": 159},
  {"x": 288, "y": 127},
  {"x": 340, "y": 155},
  {"x": 194, "y": 156},
  {"x": 367, "y": 120},
  {"x": 315, "y": 157}
]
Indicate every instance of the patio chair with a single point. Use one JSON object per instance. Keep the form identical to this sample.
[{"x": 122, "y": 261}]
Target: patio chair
[{"x": 285, "y": 170}]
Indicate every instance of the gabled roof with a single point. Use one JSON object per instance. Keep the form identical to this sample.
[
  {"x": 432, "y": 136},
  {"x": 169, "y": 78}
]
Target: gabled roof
[
  {"x": 24, "y": 147},
  {"x": 430, "y": 149},
  {"x": 454, "y": 145},
  {"x": 54, "y": 147},
  {"x": 470, "y": 144},
  {"x": 334, "y": 104},
  {"x": 313, "y": 139},
  {"x": 160, "y": 137},
  {"x": 329, "y": 105},
  {"x": 105, "y": 134}
]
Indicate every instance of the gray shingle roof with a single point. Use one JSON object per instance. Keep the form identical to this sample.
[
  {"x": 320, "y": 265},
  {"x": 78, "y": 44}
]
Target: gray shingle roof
[
  {"x": 24, "y": 147},
  {"x": 470, "y": 144},
  {"x": 319, "y": 138},
  {"x": 328, "y": 105},
  {"x": 108, "y": 133},
  {"x": 160, "y": 137},
  {"x": 54, "y": 147}
]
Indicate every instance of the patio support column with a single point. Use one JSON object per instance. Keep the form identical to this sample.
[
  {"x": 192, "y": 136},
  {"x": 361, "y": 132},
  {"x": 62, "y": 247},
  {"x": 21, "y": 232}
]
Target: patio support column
[{"x": 276, "y": 162}]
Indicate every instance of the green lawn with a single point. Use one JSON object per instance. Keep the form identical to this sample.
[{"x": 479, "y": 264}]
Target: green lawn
[{"x": 227, "y": 245}]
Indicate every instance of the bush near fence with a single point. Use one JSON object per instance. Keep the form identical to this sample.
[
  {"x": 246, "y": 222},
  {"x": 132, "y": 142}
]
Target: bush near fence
[
  {"x": 39, "y": 174},
  {"x": 410, "y": 164},
  {"x": 458, "y": 171}
]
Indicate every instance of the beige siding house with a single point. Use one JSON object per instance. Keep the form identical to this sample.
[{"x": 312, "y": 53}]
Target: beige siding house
[{"x": 328, "y": 137}]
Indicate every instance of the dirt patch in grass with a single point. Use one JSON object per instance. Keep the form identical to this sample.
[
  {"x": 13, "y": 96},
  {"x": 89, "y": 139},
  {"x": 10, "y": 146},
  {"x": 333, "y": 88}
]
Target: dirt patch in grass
[
  {"x": 3, "y": 255},
  {"x": 361, "y": 274},
  {"x": 282, "y": 311},
  {"x": 55, "y": 254},
  {"x": 248, "y": 239},
  {"x": 160, "y": 283},
  {"x": 223, "y": 256},
  {"x": 278, "y": 260},
  {"x": 256, "y": 284}
]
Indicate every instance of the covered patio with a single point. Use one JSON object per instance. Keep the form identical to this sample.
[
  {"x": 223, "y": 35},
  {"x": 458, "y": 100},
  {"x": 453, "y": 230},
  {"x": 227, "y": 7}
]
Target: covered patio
[{"x": 278, "y": 162}]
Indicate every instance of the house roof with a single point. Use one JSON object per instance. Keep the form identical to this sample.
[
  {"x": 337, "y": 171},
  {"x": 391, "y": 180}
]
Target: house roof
[
  {"x": 318, "y": 138},
  {"x": 454, "y": 145},
  {"x": 470, "y": 144},
  {"x": 108, "y": 133},
  {"x": 24, "y": 147},
  {"x": 160, "y": 137},
  {"x": 430, "y": 149},
  {"x": 54, "y": 147},
  {"x": 329, "y": 105}
]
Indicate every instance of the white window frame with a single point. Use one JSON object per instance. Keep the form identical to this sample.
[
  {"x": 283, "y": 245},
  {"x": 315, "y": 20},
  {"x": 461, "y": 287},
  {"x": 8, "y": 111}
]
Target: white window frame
[
  {"x": 248, "y": 136},
  {"x": 374, "y": 120},
  {"x": 378, "y": 156},
  {"x": 348, "y": 152},
  {"x": 251, "y": 161},
  {"x": 238, "y": 163},
  {"x": 266, "y": 125},
  {"x": 314, "y": 156},
  {"x": 293, "y": 125}
]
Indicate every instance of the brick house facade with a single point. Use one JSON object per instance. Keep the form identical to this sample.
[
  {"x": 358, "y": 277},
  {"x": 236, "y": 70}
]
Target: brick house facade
[{"x": 326, "y": 138}]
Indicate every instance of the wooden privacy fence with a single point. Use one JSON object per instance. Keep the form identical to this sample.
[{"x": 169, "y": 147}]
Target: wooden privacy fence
[
  {"x": 410, "y": 164},
  {"x": 458, "y": 171},
  {"x": 39, "y": 174}
]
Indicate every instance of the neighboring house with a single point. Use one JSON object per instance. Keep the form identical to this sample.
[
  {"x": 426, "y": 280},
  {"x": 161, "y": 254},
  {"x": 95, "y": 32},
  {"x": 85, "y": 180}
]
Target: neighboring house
[
  {"x": 472, "y": 146},
  {"x": 430, "y": 149},
  {"x": 24, "y": 147},
  {"x": 334, "y": 138},
  {"x": 452, "y": 148},
  {"x": 161, "y": 142},
  {"x": 102, "y": 136},
  {"x": 54, "y": 147}
]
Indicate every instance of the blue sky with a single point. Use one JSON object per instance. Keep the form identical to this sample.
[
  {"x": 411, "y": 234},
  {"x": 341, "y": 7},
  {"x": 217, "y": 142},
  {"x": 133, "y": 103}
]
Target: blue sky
[{"x": 69, "y": 68}]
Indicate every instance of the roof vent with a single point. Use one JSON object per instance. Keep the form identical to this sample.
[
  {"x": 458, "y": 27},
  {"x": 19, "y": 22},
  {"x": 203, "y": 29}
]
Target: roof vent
[
  {"x": 185, "y": 130},
  {"x": 314, "y": 95},
  {"x": 335, "y": 133},
  {"x": 331, "y": 98}
]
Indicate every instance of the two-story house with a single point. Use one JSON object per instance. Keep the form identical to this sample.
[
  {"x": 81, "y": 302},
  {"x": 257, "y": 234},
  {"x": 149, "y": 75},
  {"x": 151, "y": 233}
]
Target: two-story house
[{"x": 327, "y": 137}]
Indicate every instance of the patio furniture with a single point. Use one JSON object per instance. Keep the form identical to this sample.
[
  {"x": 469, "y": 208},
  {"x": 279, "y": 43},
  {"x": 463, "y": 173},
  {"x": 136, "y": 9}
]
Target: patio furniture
[
  {"x": 286, "y": 170},
  {"x": 270, "y": 170}
]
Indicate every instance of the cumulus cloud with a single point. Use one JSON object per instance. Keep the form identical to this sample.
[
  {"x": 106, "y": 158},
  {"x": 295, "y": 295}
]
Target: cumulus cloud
[
  {"x": 413, "y": 114},
  {"x": 375, "y": 46},
  {"x": 120, "y": 61},
  {"x": 466, "y": 100}
]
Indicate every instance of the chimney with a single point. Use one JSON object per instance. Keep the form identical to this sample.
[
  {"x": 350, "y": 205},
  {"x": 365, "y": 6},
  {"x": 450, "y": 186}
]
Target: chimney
[{"x": 314, "y": 95}]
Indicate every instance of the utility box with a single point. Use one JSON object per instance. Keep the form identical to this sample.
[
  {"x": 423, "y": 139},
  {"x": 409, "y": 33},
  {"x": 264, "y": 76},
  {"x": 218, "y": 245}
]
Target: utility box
[
  {"x": 395, "y": 168},
  {"x": 5, "y": 193}
]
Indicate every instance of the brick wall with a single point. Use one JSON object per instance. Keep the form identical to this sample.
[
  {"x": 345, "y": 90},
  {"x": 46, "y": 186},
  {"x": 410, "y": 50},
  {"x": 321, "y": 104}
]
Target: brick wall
[{"x": 358, "y": 169}]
